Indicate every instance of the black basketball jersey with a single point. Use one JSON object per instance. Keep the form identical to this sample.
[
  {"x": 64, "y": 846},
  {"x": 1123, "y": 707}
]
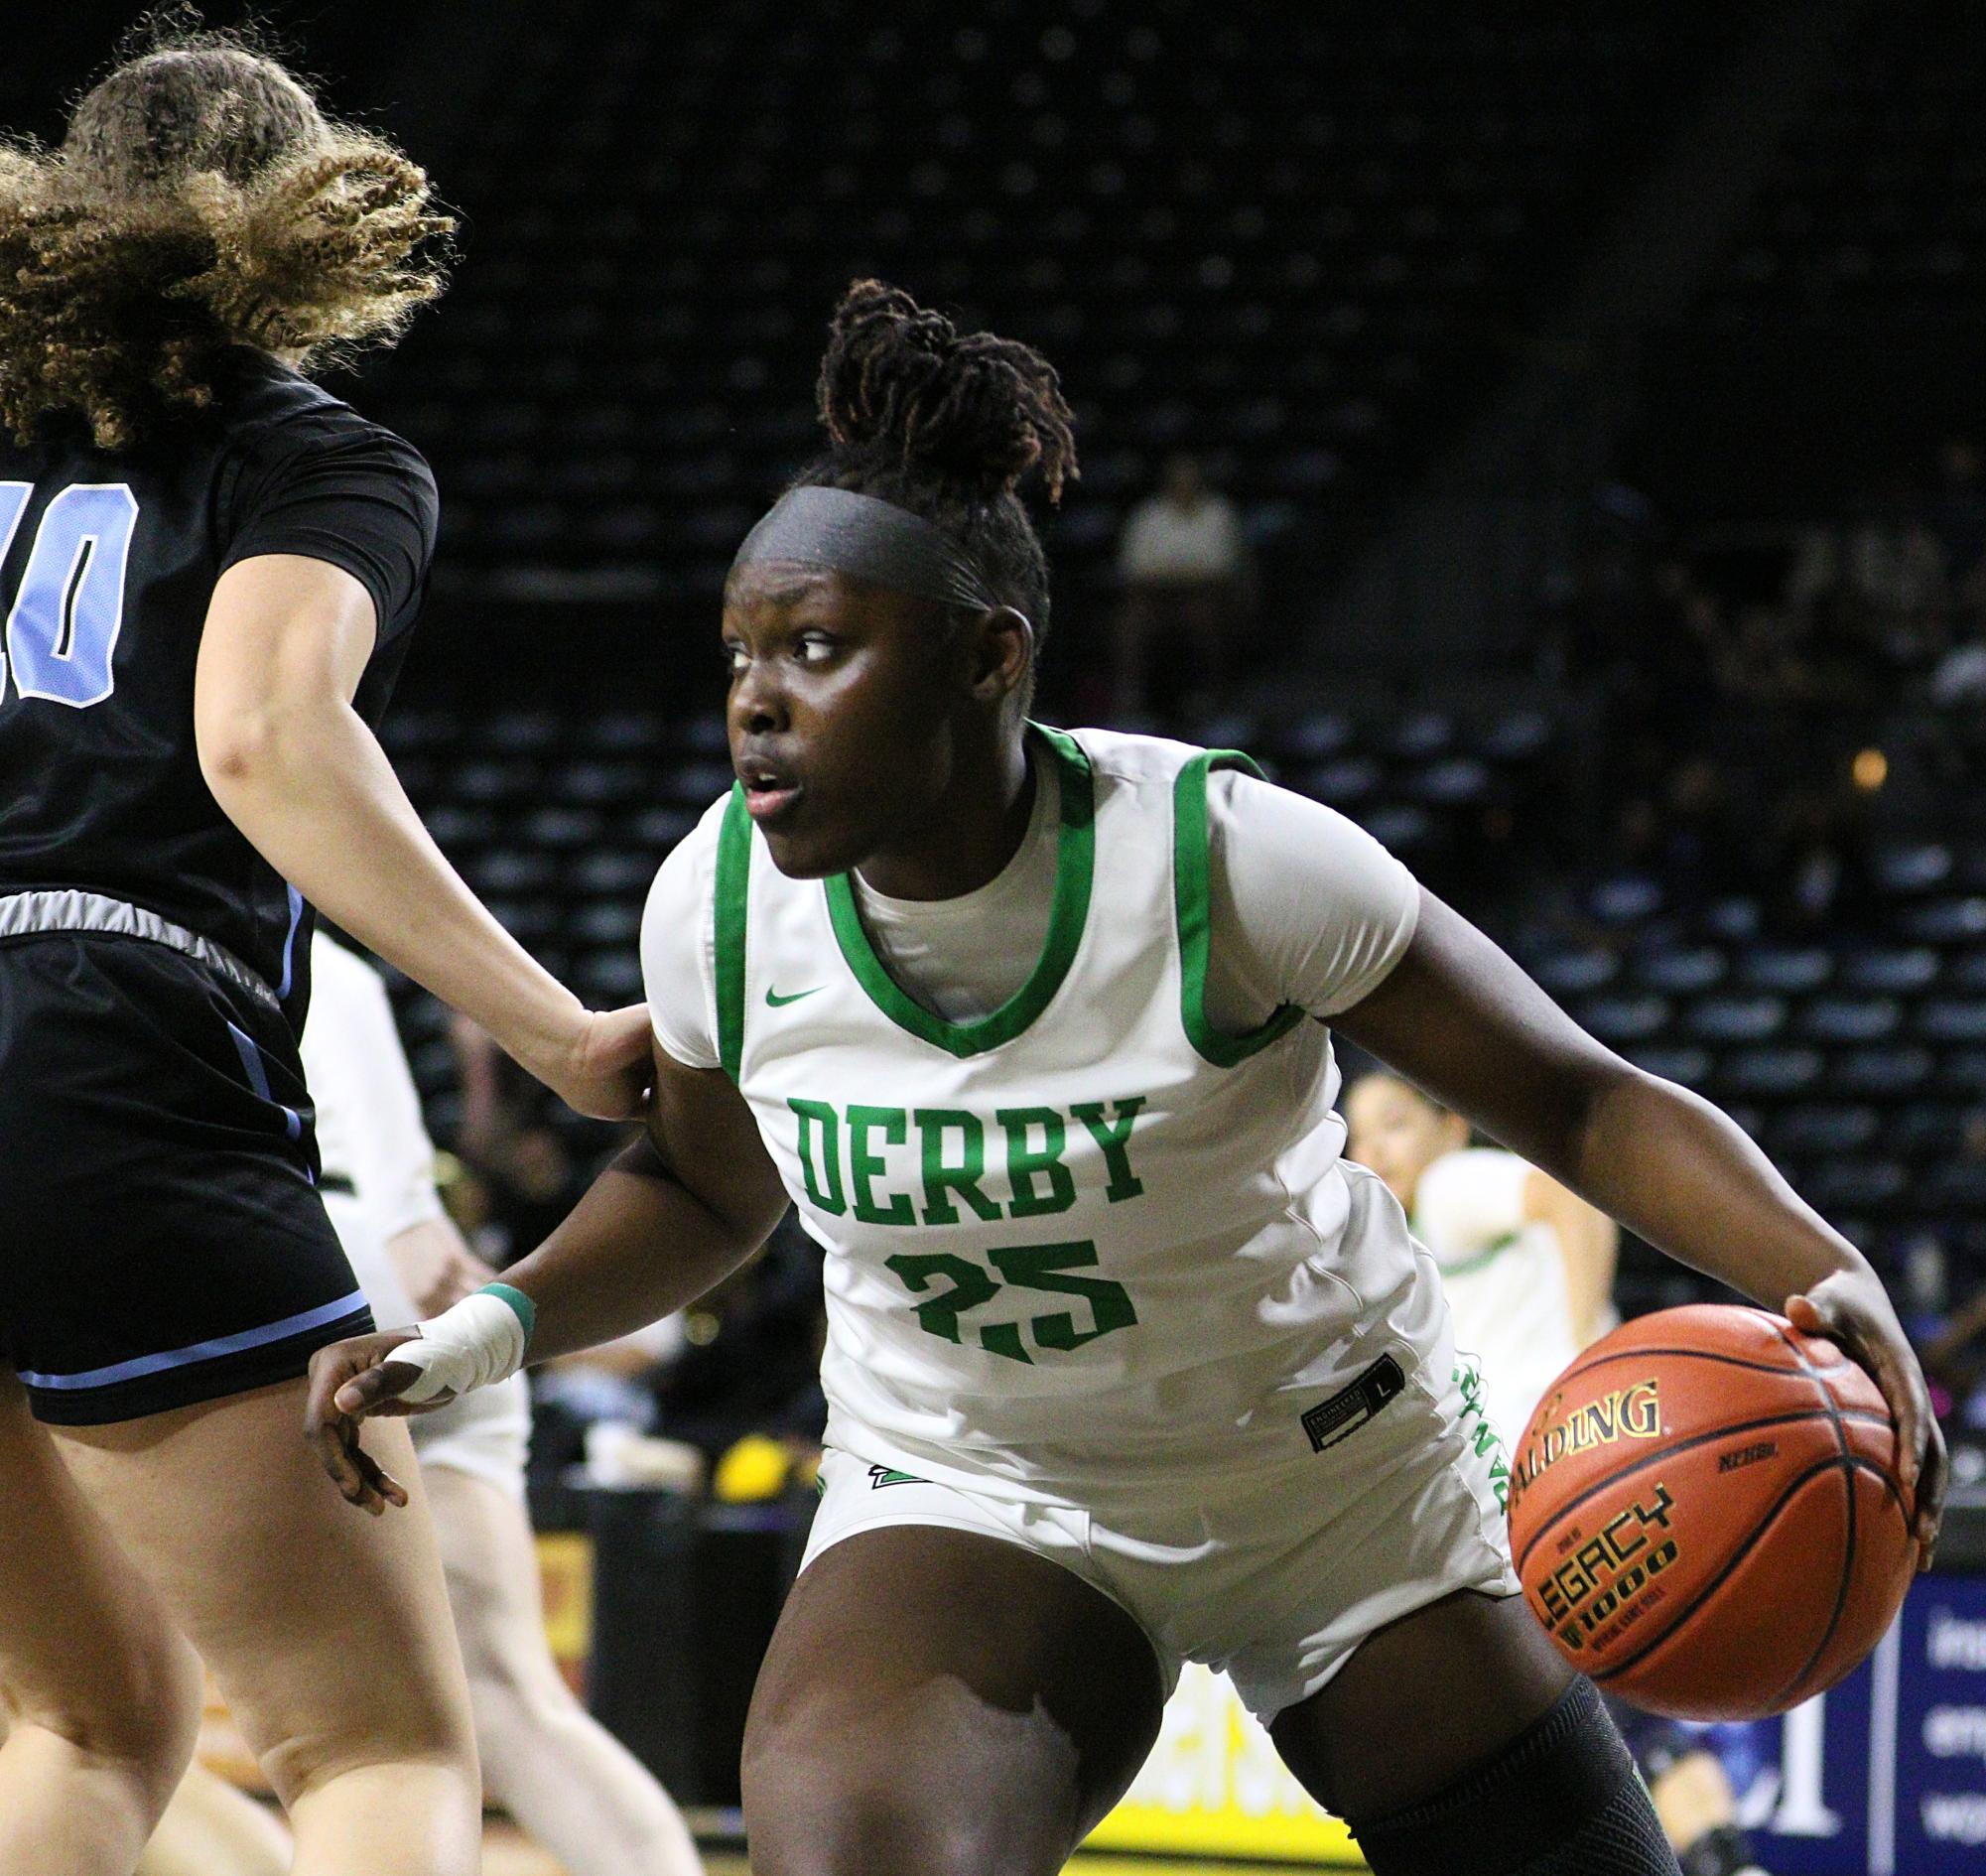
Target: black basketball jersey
[{"x": 107, "y": 563}]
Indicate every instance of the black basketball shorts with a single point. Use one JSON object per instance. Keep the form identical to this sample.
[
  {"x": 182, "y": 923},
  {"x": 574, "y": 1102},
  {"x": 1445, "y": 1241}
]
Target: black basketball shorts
[{"x": 162, "y": 1240}]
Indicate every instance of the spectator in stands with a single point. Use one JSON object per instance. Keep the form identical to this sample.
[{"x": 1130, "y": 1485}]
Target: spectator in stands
[
  {"x": 1898, "y": 597},
  {"x": 1765, "y": 659},
  {"x": 1687, "y": 827},
  {"x": 1816, "y": 871},
  {"x": 1184, "y": 567}
]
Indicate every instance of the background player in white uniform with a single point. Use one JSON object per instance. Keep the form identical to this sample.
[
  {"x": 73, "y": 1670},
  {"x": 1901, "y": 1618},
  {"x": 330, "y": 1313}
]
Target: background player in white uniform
[
  {"x": 545, "y": 1759},
  {"x": 1528, "y": 1267},
  {"x": 1529, "y": 1270},
  {"x": 1125, "y": 1365}
]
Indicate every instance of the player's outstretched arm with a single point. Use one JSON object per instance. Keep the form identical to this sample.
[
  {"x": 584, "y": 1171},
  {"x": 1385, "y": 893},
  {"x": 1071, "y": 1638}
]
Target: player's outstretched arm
[
  {"x": 1458, "y": 1017},
  {"x": 294, "y": 767},
  {"x": 673, "y": 1216}
]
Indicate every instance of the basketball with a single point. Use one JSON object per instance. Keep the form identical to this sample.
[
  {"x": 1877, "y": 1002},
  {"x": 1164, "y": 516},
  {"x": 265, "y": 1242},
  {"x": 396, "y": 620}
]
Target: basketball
[{"x": 1705, "y": 1514}]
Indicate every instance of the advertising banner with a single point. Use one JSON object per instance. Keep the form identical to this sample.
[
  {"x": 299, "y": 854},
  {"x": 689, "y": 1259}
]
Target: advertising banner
[{"x": 1885, "y": 1776}]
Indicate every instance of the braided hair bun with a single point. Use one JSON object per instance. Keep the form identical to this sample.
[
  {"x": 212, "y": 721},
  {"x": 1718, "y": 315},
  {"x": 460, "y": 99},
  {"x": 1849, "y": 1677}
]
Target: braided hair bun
[{"x": 980, "y": 413}]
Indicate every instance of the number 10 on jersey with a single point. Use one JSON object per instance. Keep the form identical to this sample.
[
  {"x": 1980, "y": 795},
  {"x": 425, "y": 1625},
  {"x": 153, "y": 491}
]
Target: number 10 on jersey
[{"x": 63, "y": 626}]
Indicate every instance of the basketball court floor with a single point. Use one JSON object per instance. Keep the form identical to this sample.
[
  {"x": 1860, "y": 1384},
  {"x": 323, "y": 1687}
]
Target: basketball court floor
[{"x": 506, "y": 1854}]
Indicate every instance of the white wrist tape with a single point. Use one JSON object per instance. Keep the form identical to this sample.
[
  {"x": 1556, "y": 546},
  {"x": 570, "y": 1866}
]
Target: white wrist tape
[{"x": 471, "y": 1344}]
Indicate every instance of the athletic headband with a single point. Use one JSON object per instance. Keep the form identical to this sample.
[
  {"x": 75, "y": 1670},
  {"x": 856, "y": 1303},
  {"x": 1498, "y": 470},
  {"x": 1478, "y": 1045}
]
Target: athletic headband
[{"x": 868, "y": 539}]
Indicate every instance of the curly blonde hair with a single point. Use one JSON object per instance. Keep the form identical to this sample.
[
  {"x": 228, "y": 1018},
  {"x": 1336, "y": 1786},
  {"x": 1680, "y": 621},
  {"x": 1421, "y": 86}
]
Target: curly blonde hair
[{"x": 199, "y": 200}]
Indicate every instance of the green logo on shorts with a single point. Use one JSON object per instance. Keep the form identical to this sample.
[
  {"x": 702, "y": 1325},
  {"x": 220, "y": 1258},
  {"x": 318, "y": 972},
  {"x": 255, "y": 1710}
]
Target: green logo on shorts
[
  {"x": 880, "y": 1476},
  {"x": 1482, "y": 1436}
]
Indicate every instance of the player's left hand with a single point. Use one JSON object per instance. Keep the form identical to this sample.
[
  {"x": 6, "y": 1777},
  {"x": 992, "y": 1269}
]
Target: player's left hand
[
  {"x": 348, "y": 1381},
  {"x": 1851, "y": 1309}
]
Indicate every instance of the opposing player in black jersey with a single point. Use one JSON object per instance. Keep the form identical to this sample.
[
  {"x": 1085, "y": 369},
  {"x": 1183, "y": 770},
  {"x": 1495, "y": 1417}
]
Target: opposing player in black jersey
[{"x": 207, "y": 568}]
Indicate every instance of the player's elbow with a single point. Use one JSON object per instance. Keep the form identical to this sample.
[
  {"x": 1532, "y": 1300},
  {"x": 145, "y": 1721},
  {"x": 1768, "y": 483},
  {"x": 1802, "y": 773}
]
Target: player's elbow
[
  {"x": 251, "y": 750},
  {"x": 233, "y": 749},
  {"x": 242, "y": 758},
  {"x": 1584, "y": 1113}
]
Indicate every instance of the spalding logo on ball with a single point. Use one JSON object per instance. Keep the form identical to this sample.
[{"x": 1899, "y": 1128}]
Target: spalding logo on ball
[{"x": 1705, "y": 1514}]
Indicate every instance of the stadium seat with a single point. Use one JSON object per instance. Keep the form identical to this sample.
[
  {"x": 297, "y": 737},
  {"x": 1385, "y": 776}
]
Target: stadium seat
[
  {"x": 1458, "y": 781},
  {"x": 1346, "y": 785},
  {"x": 1788, "y": 970},
  {"x": 1906, "y": 871},
  {"x": 1881, "y": 1071},
  {"x": 1678, "y": 970},
  {"x": 510, "y": 870},
  {"x": 1687, "y": 1066},
  {"x": 1735, "y": 918},
  {"x": 1622, "y": 1019},
  {"x": 1822, "y": 1128},
  {"x": 1736, "y": 1018},
  {"x": 1769, "y": 1072},
  {"x": 1568, "y": 973},
  {"x": 1399, "y": 825},
  {"x": 1849, "y": 1018},
  {"x": 1945, "y": 921},
  {"x": 610, "y": 872},
  {"x": 1953, "y": 1019},
  {"x": 1963, "y": 1070},
  {"x": 1889, "y": 968},
  {"x": 1837, "y": 1187},
  {"x": 1625, "y": 899}
]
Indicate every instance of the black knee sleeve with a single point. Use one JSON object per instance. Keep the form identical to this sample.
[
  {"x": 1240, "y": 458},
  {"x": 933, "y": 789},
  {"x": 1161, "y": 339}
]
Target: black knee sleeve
[
  {"x": 1562, "y": 1800},
  {"x": 1660, "y": 1745}
]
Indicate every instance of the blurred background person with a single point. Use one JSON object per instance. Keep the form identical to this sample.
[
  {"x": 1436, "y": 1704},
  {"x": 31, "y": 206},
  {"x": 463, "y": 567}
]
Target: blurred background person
[
  {"x": 547, "y": 1761},
  {"x": 1184, "y": 565},
  {"x": 1528, "y": 1271}
]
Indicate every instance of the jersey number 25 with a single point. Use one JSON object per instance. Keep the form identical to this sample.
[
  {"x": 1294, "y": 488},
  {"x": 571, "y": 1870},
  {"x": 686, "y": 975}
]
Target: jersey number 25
[{"x": 63, "y": 626}]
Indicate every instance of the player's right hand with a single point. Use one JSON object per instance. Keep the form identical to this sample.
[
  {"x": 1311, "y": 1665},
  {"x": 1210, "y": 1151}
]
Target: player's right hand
[
  {"x": 605, "y": 1071},
  {"x": 348, "y": 1381}
]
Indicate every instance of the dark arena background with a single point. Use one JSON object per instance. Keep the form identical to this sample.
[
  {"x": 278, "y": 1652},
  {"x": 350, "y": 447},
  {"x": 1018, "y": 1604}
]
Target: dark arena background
[{"x": 1598, "y": 392}]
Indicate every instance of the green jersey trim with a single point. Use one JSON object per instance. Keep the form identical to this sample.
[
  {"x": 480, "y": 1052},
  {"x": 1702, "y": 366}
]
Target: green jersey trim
[
  {"x": 1075, "y": 871},
  {"x": 734, "y": 877},
  {"x": 1190, "y": 906}
]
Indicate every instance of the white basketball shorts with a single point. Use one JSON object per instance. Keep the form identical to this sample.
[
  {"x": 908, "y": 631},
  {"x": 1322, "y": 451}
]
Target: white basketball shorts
[
  {"x": 486, "y": 1434},
  {"x": 1276, "y": 1580}
]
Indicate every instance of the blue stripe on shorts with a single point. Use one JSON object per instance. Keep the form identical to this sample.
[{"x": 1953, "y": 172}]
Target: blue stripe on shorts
[
  {"x": 202, "y": 1351},
  {"x": 258, "y": 1079}
]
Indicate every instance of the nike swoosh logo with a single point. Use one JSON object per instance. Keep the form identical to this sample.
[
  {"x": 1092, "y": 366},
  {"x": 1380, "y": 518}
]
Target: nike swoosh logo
[{"x": 773, "y": 1000}]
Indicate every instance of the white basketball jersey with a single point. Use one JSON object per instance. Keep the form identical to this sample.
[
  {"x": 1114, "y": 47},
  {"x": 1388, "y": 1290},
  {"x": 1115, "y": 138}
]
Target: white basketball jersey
[
  {"x": 1505, "y": 1276},
  {"x": 1087, "y": 1237}
]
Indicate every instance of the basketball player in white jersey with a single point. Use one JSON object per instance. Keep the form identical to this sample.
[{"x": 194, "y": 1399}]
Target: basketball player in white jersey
[
  {"x": 1125, "y": 1365},
  {"x": 1529, "y": 1268}
]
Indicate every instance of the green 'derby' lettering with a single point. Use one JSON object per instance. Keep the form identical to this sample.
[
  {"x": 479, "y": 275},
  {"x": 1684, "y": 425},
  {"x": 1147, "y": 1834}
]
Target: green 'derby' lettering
[
  {"x": 865, "y": 1162},
  {"x": 941, "y": 1179},
  {"x": 952, "y": 1149},
  {"x": 1025, "y": 1163},
  {"x": 824, "y": 1187},
  {"x": 1114, "y": 1137}
]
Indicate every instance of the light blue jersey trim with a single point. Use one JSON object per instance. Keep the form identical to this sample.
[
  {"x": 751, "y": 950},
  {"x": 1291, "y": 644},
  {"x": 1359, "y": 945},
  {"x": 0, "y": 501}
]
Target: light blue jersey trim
[
  {"x": 290, "y": 941},
  {"x": 258, "y": 1079},
  {"x": 202, "y": 1351}
]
